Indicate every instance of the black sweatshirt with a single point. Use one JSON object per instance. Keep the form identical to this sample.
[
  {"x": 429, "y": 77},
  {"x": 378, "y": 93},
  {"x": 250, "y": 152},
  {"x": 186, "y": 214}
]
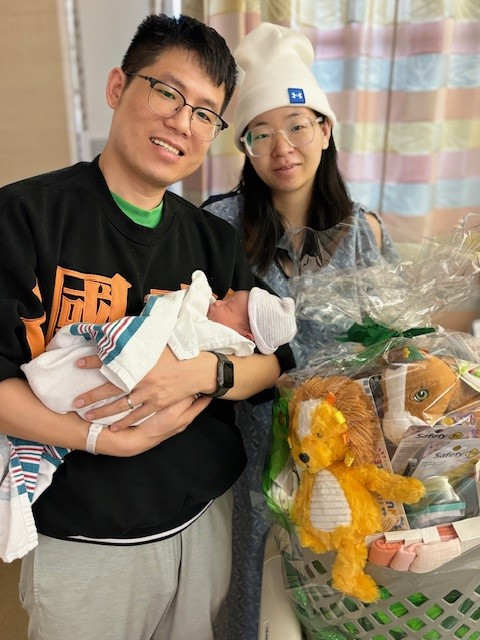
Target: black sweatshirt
[{"x": 69, "y": 254}]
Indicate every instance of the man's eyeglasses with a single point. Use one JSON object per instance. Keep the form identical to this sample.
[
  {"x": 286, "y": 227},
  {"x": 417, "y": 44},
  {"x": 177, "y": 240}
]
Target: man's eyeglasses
[
  {"x": 166, "y": 102},
  {"x": 260, "y": 141}
]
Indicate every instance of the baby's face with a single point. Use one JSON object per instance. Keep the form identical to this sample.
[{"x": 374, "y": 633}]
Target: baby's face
[{"x": 231, "y": 311}]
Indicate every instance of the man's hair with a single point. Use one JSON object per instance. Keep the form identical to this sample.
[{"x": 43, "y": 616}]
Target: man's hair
[{"x": 159, "y": 33}]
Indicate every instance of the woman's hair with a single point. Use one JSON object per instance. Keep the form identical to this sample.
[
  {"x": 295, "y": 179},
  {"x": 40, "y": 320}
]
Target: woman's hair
[{"x": 262, "y": 225}]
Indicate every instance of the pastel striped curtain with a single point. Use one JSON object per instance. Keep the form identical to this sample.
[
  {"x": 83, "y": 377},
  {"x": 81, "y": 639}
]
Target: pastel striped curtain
[{"x": 403, "y": 77}]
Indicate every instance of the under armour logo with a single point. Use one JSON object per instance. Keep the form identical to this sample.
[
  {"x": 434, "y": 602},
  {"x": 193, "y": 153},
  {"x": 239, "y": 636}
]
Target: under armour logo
[{"x": 296, "y": 96}]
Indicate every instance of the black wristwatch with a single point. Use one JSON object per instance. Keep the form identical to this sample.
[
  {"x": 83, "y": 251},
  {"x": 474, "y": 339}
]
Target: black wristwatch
[{"x": 224, "y": 375}]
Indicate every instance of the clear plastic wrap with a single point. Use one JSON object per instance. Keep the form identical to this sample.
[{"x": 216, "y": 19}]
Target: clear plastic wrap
[
  {"x": 422, "y": 387},
  {"x": 426, "y": 279}
]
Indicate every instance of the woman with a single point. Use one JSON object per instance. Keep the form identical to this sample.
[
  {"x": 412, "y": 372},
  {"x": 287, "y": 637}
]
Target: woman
[{"x": 290, "y": 180}]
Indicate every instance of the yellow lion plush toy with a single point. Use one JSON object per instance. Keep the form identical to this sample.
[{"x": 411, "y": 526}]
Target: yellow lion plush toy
[{"x": 331, "y": 438}]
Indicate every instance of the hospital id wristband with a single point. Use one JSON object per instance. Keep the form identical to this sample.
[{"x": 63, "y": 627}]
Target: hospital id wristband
[{"x": 92, "y": 436}]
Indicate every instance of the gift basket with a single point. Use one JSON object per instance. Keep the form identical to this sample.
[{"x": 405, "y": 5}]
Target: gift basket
[{"x": 374, "y": 473}]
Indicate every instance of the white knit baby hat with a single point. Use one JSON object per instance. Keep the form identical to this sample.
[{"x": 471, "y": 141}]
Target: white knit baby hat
[
  {"x": 273, "y": 64},
  {"x": 272, "y": 320}
]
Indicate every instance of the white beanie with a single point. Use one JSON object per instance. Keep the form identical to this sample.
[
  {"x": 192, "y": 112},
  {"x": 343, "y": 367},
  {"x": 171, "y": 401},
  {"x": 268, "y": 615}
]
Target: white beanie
[
  {"x": 273, "y": 64},
  {"x": 272, "y": 320}
]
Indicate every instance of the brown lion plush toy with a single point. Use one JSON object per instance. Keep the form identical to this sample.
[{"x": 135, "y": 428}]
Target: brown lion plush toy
[
  {"x": 332, "y": 425},
  {"x": 420, "y": 389}
]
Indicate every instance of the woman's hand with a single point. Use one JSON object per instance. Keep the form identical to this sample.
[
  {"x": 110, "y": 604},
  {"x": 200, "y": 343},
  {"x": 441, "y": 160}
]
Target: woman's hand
[
  {"x": 158, "y": 427},
  {"x": 167, "y": 383}
]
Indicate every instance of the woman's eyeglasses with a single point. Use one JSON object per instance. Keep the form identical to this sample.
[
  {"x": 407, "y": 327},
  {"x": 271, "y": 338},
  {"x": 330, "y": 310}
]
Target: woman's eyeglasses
[{"x": 260, "y": 141}]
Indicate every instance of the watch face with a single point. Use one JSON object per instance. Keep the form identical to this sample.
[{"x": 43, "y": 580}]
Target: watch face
[
  {"x": 224, "y": 375},
  {"x": 227, "y": 375}
]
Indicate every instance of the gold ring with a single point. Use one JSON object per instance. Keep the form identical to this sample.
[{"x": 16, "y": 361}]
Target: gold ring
[{"x": 129, "y": 402}]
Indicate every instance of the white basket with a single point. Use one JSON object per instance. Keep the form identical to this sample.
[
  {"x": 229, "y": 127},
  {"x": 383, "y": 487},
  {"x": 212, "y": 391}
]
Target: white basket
[{"x": 440, "y": 605}]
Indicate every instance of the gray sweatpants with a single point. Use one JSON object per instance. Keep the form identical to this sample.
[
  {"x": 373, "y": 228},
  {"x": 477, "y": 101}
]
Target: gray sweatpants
[{"x": 167, "y": 590}]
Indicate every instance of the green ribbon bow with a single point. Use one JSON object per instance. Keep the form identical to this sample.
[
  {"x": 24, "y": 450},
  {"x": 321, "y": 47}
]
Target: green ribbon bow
[
  {"x": 370, "y": 332},
  {"x": 376, "y": 338}
]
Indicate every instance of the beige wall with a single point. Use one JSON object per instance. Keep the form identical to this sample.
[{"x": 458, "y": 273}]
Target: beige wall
[{"x": 34, "y": 135}]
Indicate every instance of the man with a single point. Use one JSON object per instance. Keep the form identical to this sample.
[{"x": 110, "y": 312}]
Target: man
[{"x": 134, "y": 543}]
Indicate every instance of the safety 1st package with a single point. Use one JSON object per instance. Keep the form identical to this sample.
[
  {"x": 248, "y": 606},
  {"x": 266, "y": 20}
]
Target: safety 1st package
[{"x": 372, "y": 478}]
